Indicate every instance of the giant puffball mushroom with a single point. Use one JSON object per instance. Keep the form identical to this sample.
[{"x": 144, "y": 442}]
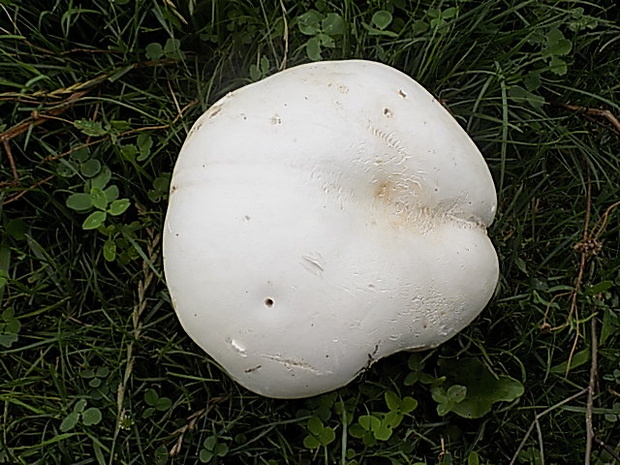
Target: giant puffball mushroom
[{"x": 323, "y": 218}]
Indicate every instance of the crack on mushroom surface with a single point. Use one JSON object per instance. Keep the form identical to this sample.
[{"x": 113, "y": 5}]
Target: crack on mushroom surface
[
  {"x": 391, "y": 141},
  {"x": 318, "y": 211},
  {"x": 237, "y": 347},
  {"x": 290, "y": 363},
  {"x": 313, "y": 263}
]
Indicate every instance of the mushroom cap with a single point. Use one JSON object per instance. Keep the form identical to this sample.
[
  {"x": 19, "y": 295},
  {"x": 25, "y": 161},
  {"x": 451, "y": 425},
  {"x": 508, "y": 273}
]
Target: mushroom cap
[{"x": 323, "y": 218}]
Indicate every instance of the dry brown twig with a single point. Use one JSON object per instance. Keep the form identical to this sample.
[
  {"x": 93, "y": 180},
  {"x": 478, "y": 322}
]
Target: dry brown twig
[
  {"x": 538, "y": 417},
  {"x": 35, "y": 119},
  {"x": 588, "y": 247},
  {"x": 139, "y": 307},
  {"x": 592, "y": 114},
  {"x": 610, "y": 450},
  {"x": 39, "y": 118},
  {"x": 285, "y": 37},
  {"x": 591, "y": 390},
  {"x": 191, "y": 423},
  {"x": 60, "y": 100}
]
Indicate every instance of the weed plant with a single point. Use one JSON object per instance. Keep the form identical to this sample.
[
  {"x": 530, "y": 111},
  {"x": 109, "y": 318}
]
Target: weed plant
[{"x": 96, "y": 99}]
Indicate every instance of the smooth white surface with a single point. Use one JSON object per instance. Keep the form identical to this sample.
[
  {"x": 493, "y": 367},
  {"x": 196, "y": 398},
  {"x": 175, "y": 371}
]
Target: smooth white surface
[{"x": 329, "y": 215}]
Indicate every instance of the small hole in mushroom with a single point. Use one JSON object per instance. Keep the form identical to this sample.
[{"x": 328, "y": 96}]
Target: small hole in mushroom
[{"x": 268, "y": 302}]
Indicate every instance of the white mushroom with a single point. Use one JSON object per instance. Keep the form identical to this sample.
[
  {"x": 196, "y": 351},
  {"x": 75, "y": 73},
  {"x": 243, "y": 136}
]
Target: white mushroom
[{"x": 323, "y": 218}]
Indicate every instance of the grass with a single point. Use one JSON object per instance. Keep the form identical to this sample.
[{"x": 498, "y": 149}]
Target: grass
[{"x": 94, "y": 367}]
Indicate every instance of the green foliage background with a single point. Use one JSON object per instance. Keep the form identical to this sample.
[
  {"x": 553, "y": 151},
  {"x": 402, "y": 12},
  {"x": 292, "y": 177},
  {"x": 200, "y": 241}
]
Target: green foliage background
[{"x": 96, "y": 99}]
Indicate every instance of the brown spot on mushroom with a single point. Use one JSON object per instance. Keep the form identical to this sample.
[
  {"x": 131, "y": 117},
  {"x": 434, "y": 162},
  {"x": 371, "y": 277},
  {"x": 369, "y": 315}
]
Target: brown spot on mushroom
[
  {"x": 398, "y": 200},
  {"x": 387, "y": 112},
  {"x": 213, "y": 111},
  {"x": 384, "y": 191},
  {"x": 250, "y": 370},
  {"x": 269, "y": 302},
  {"x": 402, "y": 93}
]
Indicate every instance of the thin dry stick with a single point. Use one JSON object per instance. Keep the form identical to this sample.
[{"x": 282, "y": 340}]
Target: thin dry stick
[
  {"x": 591, "y": 391},
  {"x": 34, "y": 120},
  {"x": 28, "y": 189},
  {"x": 541, "y": 442},
  {"x": 574, "y": 309},
  {"x": 139, "y": 308},
  {"x": 192, "y": 420},
  {"x": 37, "y": 118},
  {"x": 589, "y": 246},
  {"x": 123, "y": 134},
  {"x": 538, "y": 417},
  {"x": 88, "y": 144},
  {"x": 600, "y": 226},
  {"x": 607, "y": 448},
  {"x": 9, "y": 155},
  {"x": 589, "y": 112},
  {"x": 40, "y": 97},
  {"x": 584, "y": 254},
  {"x": 545, "y": 326},
  {"x": 174, "y": 99},
  {"x": 285, "y": 57},
  {"x": 595, "y": 245},
  {"x": 75, "y": 92},
  {"x": 75, "y": 149}
]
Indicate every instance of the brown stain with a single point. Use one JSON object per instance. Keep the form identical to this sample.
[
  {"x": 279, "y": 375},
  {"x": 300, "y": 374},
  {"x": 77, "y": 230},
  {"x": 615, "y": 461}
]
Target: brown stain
[
  {"x": 388, "y": 196},
  {"x": 401, "y": 202},
  {"x": 384, "y": 191},
  {"x": 388, "y": 113},
  {"x": 402, "y": 93},
  {"x": 397, "y": 203},
  {"x": 250, "y": 370},
  {"x": 213, "y": 111}
]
